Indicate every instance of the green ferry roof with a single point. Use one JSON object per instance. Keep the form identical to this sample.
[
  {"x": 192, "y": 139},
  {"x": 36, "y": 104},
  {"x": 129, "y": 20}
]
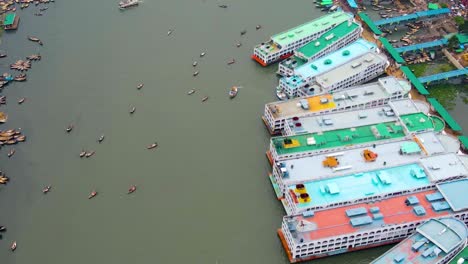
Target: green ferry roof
[
  {"x": 364, "y": 17},
  {"x": 396, "y": 56},
  {"x": 338, "y": 32},
  {"x": 359, "y": 135},
  {"x": 414, "y": 80},
  {"x": 464, "y": 141},
  {"x": 444, "y": 114},
  {"x": 311, "y": 27},
  {"x": 9, "y": 19}
]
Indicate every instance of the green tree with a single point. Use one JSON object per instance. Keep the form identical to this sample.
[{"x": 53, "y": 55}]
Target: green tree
[
  {"x": 453, "y": 42},
  {"x": 443, "y": 5},
  {"x": 459, "y": 20},
  {"x": 464, "y": 28}
]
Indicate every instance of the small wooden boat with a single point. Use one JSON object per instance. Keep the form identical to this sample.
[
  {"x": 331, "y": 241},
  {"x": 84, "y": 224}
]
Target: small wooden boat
[
  {"x": 3, "y": 117},
  {"x": 11, "y": 142},
  {"x": 20, "y": 101},
  {"x": 43, "y": 9},
  {"x": 243, "y": 32},
  {"x": 3, "y": 55},
  {"x": 46, "y": 189},
  {"x": 233, "y": 92},
  {"x": 38, "y": 14},
  {"x": 20, "y": 77},
  {"x": 89, "y": 154},
  {"x": 139, "y": 86},
  {"x": 2, "y": 228},
  {"x": 191, "y": 92},
  {"x": 170, "y": 32},
  {"x": 132, "y": 189},
  {"x": 223, "y": 6},
  {"x": 204, "y": 99},
  {"x": 258, "y": 27},
  {"x": 13, "y": 246},
  {"x": 92, "y": 194},
  {"x": 202, "y": 54},
  {"x": 82, "y": 153},
  {"x": 195, "y": 63},
  {"x": 40, "y": 43},
  {"x": 132, "y": 110},
  {"x": 195, "y": 73},
  {"x": 152, "y": 146},
  {"x": 101, "y": 138},
  {"x": 11, "y": 153},
  {"x": 238, "y": 44},
  {"x": 33, "y": 39},
  {"x": 69, "y": 128},
  {"x": 231, "y": 62}
]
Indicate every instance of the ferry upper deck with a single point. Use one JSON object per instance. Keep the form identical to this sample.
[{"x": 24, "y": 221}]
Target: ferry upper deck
[
  {"x": 360, "y": 117},
  {"x": 363, "y": 225},
  {"x": 360, "y": 159},
  {"x": 303, "y": 145},
  {"x": 375, "y": 184},
  {"x": 434, "y": 242},
  {"x": 336, "y": 38},
  {"x": 362, "y": 96}
]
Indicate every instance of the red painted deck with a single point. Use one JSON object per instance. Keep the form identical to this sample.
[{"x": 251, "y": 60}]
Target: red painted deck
[
  {"x": 257, "y": 59},
  {"x": 334, "y": 221}
]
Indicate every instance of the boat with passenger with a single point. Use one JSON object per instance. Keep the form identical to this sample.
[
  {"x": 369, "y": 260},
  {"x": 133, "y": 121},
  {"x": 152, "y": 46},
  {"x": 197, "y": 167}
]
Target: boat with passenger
[
  {"x": 233, "y": 92},
  {"x": 124, "y": 4}
]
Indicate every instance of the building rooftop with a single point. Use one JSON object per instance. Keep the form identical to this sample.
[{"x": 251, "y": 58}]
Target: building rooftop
[
  {"x": 352, "y": 96},
  {"x": 332, "y": 60},
  {"x": 366, "y": 134},
  {"x": 463, "y": 254},
  {"x": 350, "y": 68},
  {"x": 311, "y": 168},
  {"x": 311, "y": 27},
  {"x": 9, "y": 19},
  {"x": 327, "y": 39},
  {"x": 438, "y": 237}
]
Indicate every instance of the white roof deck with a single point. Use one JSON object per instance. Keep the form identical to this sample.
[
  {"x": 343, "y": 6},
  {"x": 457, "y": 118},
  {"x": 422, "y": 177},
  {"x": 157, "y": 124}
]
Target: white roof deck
[
  {"x": 311, "y": 168},
  {"x": 357, "y": 118}
]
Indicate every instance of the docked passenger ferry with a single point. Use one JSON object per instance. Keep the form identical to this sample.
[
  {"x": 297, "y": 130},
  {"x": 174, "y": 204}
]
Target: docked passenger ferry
[{"x": 282, "y": 45}]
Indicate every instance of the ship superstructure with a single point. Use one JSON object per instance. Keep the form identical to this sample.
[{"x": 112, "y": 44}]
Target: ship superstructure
[
  {"x": 338, "y": 37},
  {"x": 358, "y": 97},
  {"x": 363, "y": 225},
  {"x": 434, "y": 242},
  {"x": 282, "y": 45},
  {"x": 356, "y": 63}
]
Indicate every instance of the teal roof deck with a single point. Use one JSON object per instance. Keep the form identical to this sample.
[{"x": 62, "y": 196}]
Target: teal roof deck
[
  {"x": 338, "y": 138},
  {"x": 444, "y": 114},
  {"x": 421, "y": 122},
  {"x": 454, "y": 193},
  {"x": 414, "y": 80},
  {"x": 9, "y": 19},
  {"x": 331, "y": 61},
  {"x": 338, "y": 32},
  {"x": 393, "y": 52},
  {"x": 361, "y": 185},
  {"x": 464, "y": 141},
  {"x": 463, "y": 254},
  {"x": 311, "y": 27}
]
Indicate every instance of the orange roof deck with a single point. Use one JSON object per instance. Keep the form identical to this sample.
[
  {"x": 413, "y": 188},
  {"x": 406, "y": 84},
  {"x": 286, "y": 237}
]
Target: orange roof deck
[{"x": 335, "y": 222}]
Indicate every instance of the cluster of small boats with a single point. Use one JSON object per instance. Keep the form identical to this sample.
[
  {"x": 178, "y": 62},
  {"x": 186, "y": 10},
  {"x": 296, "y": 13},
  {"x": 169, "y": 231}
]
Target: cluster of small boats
[
  {"x": 11, "y": 137},
  {"x": 326, "y": 5},
  {"x": 21, "y": 65},
  {"x": 87, "y": 154},
  {"x": 3, "y": 179}
]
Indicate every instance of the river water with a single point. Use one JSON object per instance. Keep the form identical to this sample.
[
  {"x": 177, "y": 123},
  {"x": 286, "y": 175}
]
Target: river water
[{"x": 203, "y": 195}]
